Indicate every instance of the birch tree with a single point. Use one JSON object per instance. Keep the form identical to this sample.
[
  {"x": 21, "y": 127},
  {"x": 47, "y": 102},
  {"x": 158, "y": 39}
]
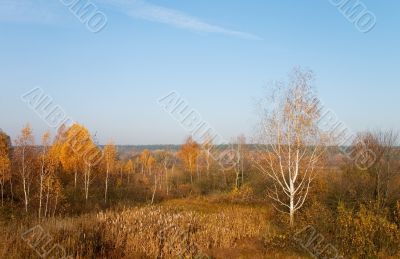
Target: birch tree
[
  {"x": 43, "y": 168},
  {"x": 166, "y": 160},
  {"x": 130, "y": 167},
  {"x": 207, "y": 146},
  {"x": 189, "y": 154},
  {"x": 291, "y": 143},
  {"x": 79, "y": 142},
  {"x": 109, "y": 157},
  {"x": 24, "y": 153},
  {"x": 52, "y": 182},
  {"x": 53, "y": 193},
  {"x": 239, "y": 145},
  {"x": 70, "y": 160},
  {"x": 144, "y": 160}
]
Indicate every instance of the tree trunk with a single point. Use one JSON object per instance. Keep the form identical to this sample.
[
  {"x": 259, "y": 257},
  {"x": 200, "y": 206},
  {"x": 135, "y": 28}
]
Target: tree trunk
[
  {"x": 155, "y": 188},
  {"x": 41, "y": 184},
  {"x": 12, "y": 192},
  {"x": 166, "y": 179},
  {"x": 24, "y": 181},
  {"x": 291, "y": 218},
  {"x": 75, "y": 176},
  {"x": 208, "y": 162},
  {"x": 25, "y": 194},
  {"x": 87, "y": 183},
  {"x": 197, "y": 170},
  {"x": 105, "y": 192},
  {"x": 237, "y": 180},
  {"x": 55, "y": 206},
  {"x": 2, "y": 194},
  {"x": 40, "y": 196},
  {"x": 291, "y": 205},
  {"x": 47, "y": 198},
  {"x": 242, "y": 170}
]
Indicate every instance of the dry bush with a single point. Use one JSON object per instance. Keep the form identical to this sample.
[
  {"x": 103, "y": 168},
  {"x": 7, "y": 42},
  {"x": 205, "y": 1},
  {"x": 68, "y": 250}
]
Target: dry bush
[{"x": 366, "y": 234}]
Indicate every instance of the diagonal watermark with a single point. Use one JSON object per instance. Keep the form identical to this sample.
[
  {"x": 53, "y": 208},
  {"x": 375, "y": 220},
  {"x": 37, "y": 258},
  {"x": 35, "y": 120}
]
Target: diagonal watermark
[
  {"x": 87, "y": 13},
  {"x": 316, "y": 244},
  {"x": 43, "y": 243},
  {"x": 357, "y": 13}
]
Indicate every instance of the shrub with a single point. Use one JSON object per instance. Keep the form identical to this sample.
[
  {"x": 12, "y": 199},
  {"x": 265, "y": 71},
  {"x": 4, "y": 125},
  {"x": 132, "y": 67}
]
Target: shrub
[{"x": 366, "y": 234}]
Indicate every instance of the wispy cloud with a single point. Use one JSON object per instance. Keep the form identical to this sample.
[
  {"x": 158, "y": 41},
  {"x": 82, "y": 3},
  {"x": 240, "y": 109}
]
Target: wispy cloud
[
  {"x": 44, "y": 11},
  {"x": 142, "y": 9}
]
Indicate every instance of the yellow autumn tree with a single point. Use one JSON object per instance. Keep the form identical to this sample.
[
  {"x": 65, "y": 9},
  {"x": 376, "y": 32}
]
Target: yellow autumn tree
[
  {"x": 166, "y": 161},
  {"x": 150, "y": 164},
  {"x": 5, "y": 164},
  {"x": 189, "y": 153},
  {"x": 130, "y": 167},
  {"x": 144, "y": 159},
  {"x": 52, "y": 182},
  {"x": 43, "y": 167},
  {"x": 82, "y": 152},
  {"x": 70, "y": 160},
  {"x": 24, "y": 156},
  {"x": 109, "y": 163}
]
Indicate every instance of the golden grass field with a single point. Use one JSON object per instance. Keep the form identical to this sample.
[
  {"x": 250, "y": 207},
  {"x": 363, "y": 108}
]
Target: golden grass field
[{"x": 179, "y": 228}]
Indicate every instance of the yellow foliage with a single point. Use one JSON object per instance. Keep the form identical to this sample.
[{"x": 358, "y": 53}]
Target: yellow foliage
[{"x": 366, "y": 234}]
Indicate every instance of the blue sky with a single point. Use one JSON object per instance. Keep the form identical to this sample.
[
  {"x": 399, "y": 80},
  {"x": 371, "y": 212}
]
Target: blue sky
[{"x": 219, "y": 55}]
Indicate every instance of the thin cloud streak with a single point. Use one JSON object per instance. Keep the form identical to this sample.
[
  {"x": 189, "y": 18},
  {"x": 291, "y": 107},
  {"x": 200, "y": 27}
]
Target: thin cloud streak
[
  {"x": 44, "y": 11},
  {"x": 143, "y": 10}
]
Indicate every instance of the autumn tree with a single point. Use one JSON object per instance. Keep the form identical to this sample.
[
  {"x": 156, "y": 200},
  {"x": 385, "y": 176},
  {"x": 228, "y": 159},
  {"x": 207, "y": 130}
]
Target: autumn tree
[
  {"x": 189, "y": 154},
  {"x": 53, "y": 192},
  {"x": 43, "y": 167},
  {"x": 80, "y": 144},
  {"x": 150, "y": 164},
  {"x": 109, "y": 161},
  {"x": 381, "y": 148},
  {"x": 167, "y": 161},
  {"x": 52, "y": 182},
  {"x": 130, "y": 167},
  {"x": 239, "y": 146},
  {"x": 5, "y": 139},
  {"x": 207, "y": 145},
  {"x": 70, "y": 159},
  {"x": 24, "y": 154},
  {"x": 5, "y": 163},
  {"x": 156, "y": 177},
  {"x": 144, "y": 160},
  {"x": 291, "y": 143}
]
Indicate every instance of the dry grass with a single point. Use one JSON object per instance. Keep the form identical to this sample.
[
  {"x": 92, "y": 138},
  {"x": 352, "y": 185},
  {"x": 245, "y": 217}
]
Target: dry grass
[
  {"x": 177, "y": 228},
  {"x": 181, "y": 228}
]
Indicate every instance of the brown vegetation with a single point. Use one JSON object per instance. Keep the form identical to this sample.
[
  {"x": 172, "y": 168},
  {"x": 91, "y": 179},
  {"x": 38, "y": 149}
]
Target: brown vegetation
[{"x": 97, "y": 202}]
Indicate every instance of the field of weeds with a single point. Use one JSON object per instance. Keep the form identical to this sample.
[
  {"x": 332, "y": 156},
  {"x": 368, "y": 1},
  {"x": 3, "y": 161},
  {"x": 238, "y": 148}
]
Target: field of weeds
[{"x": 174, "y": 229}]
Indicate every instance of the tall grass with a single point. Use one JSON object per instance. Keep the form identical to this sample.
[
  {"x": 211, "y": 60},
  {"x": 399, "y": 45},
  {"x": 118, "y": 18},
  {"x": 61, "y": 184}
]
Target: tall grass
[{"x": 171, "y": 230}]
